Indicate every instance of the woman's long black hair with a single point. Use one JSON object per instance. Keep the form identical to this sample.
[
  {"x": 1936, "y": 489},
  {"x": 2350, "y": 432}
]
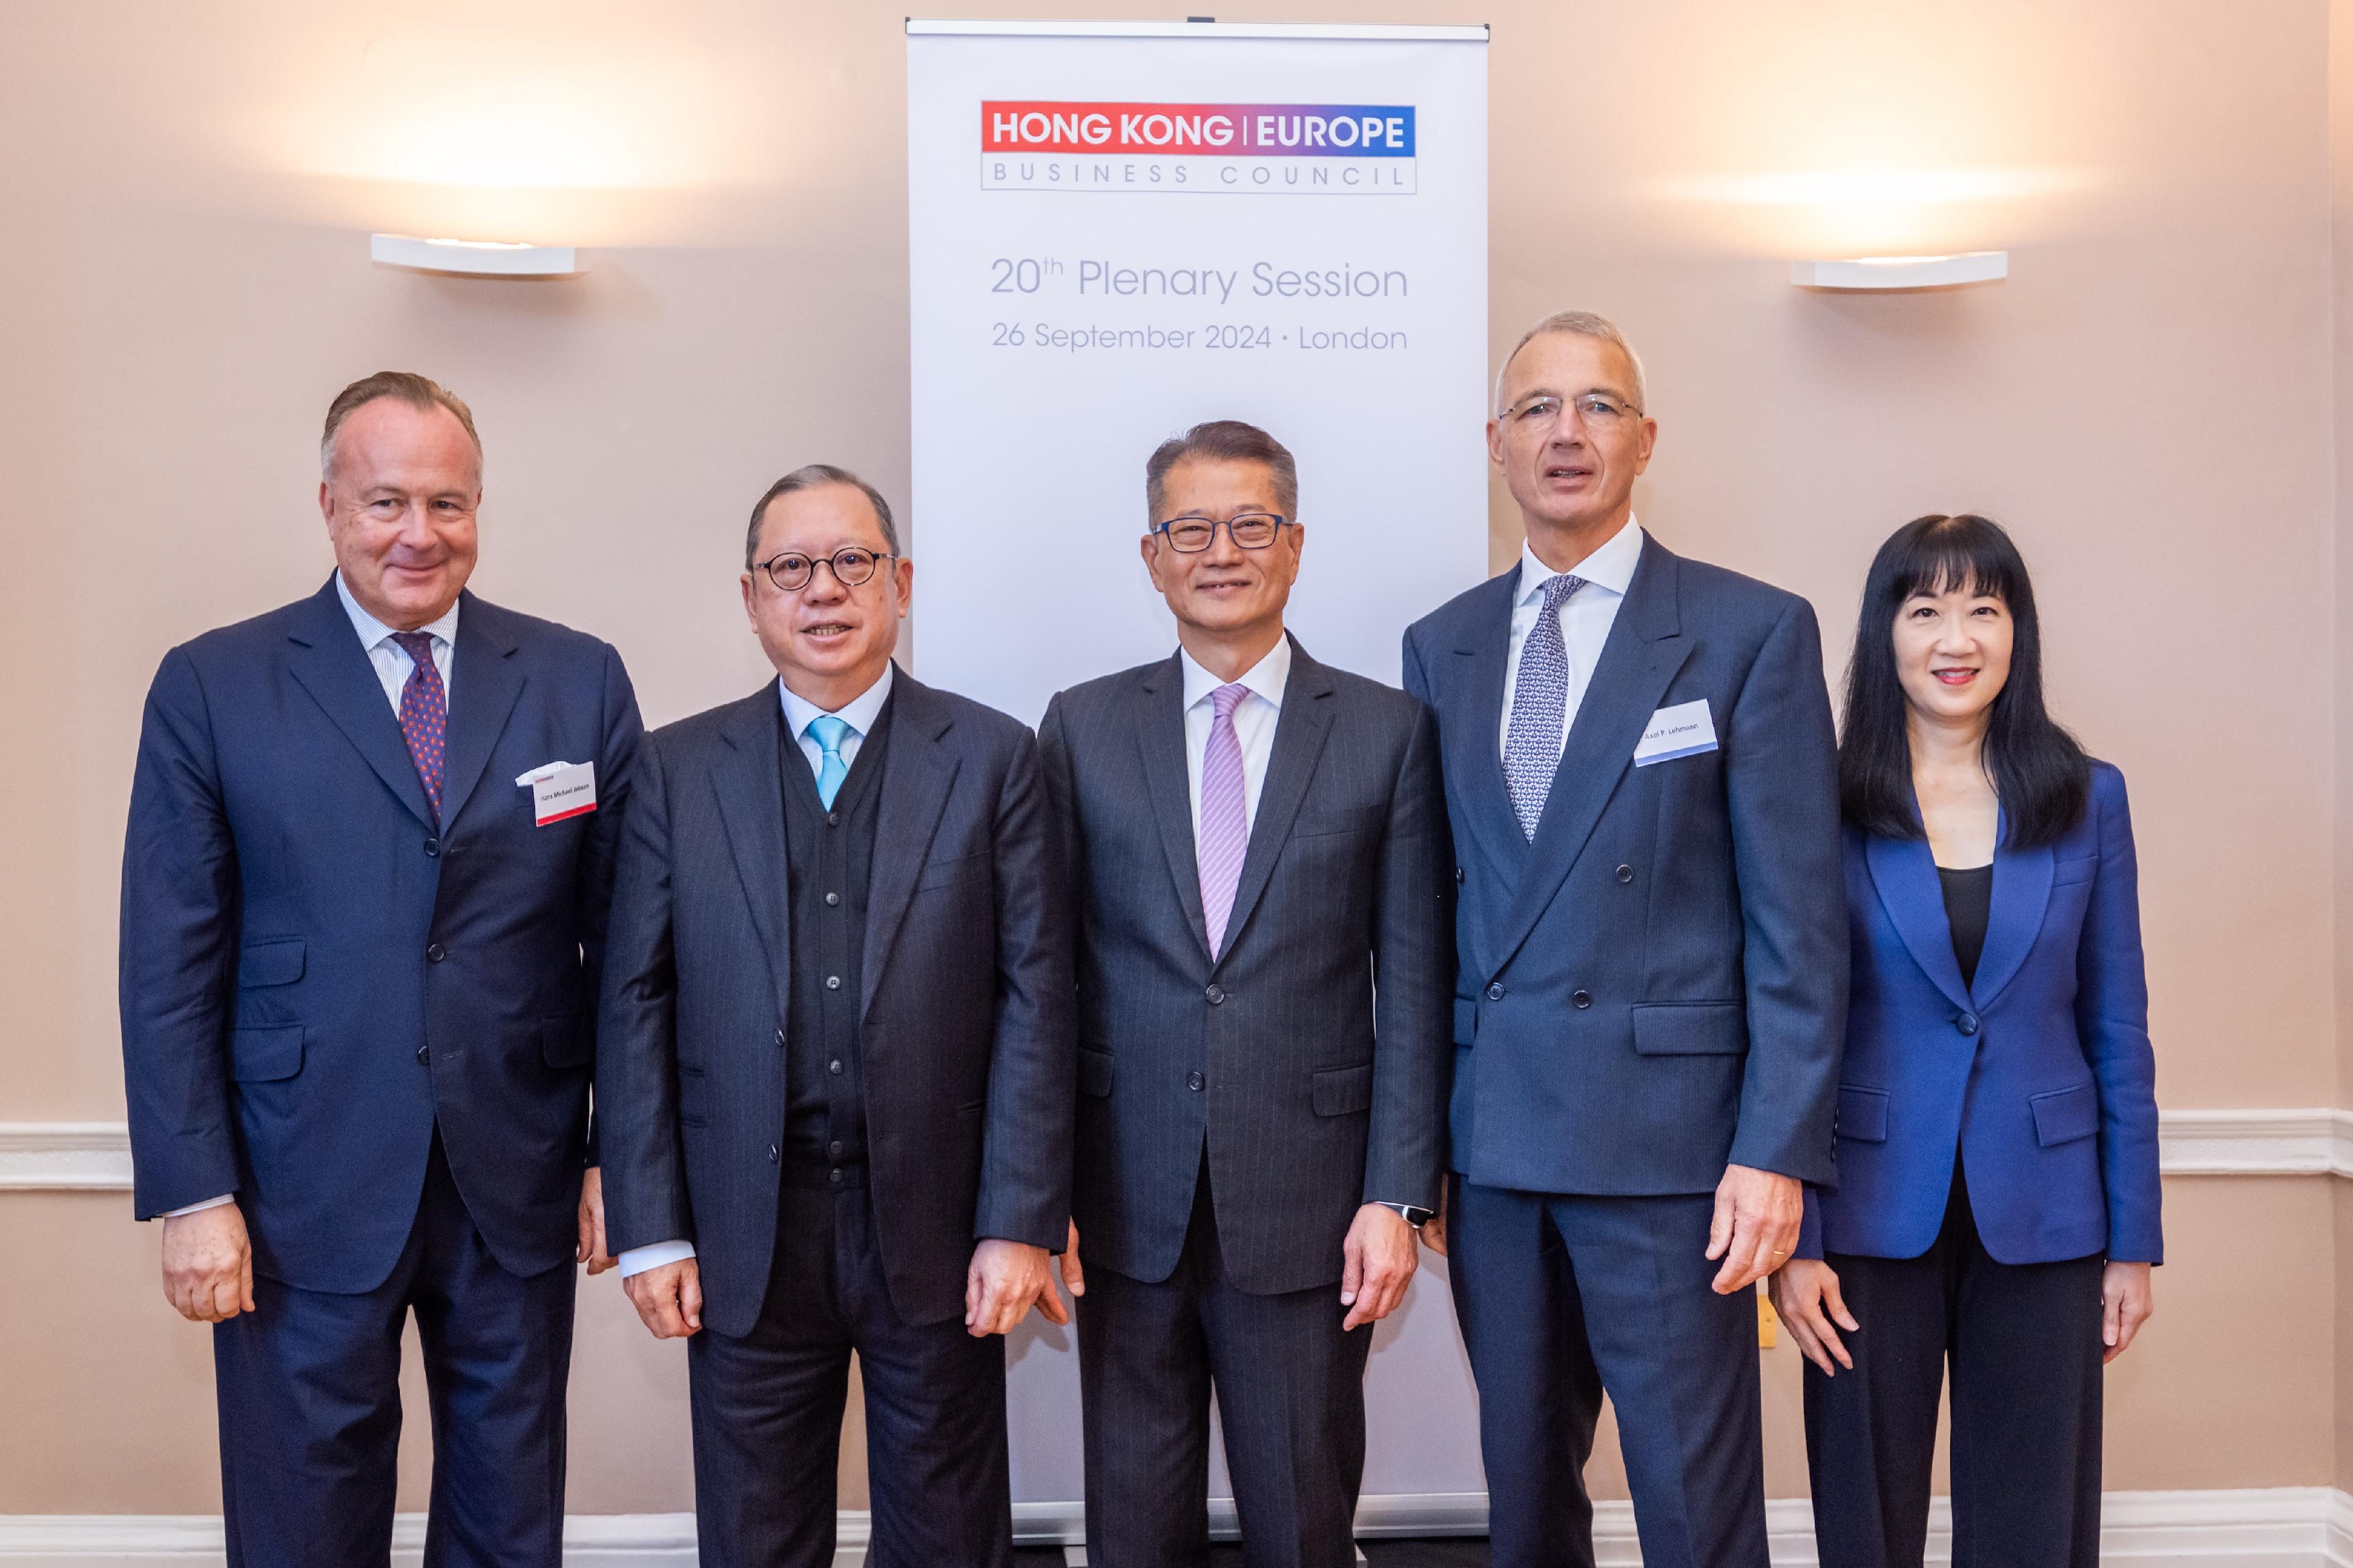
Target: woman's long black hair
[{"x": 2040, "y": 773}]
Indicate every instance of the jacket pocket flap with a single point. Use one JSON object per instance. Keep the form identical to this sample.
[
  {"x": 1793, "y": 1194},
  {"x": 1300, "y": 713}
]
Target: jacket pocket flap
[
  {"x": 1691, "y": 1029},
  {"x": 265, "y": 1056},
  {"x": 2077, "y": 870},
  {"x": 1094, "y": 1072},
  {"x": 1466, "y": 1021},
  {"x": 1344, "y": 1091},
  {"x": 270, "y": 963},
  {"x": 567, "y": 1042},
  {"x": 945, "y": 873},
  {"x": 2064, "y": 1115},
  {"x": 1862, "y": 1114},
  {"x": 1315, "y": 823}
]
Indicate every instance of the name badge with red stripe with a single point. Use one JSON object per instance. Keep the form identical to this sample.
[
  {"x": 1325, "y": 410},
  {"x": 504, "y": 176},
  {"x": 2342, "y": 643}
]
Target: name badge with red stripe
[{"x": 561, "y": 790}]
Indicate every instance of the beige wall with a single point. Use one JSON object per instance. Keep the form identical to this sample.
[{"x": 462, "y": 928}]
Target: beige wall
[{"x": 2154, "y": 403}]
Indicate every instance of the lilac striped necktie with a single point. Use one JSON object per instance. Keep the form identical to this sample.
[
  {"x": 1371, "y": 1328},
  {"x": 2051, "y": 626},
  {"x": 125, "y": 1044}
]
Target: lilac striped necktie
[{"x": 1225, "y": 816}]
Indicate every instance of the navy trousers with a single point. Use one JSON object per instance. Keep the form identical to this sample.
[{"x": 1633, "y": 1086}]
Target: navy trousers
[
  {"x": 1291, "y": 1395},
  {"x": 310, "y": 1407},
  {"x": 2023, "y": 1342},
  {"x": 1563, "y": 1298},
  {"x": 768, "y": 1407}
]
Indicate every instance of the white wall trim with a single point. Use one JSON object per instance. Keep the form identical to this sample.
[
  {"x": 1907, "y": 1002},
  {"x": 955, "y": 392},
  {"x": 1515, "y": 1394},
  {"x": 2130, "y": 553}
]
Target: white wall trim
[
  {"x": 2283, "y": 1527},
  {"x": 65, "y": 1157},
  {"x": 95, "y": 1156}
]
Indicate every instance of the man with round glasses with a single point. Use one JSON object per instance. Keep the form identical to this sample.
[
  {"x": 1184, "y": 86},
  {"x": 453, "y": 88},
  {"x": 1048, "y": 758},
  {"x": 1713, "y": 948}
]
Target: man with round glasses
[
  {"x": 1255, "y": 840},
  {"x": 836, "y": 1084},
  {"x": 1651, "y": 1003}
]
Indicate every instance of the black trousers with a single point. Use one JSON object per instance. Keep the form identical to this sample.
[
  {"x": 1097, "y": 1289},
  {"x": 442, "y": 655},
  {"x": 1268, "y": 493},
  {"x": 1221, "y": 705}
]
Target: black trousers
[
  {"x": 1563, "y": 1297},
  {"x": 310, "y": 1407},
  {"x": 1291, "y": 1395},
  {"x": 2023, "y": 1342},
  {"x": 767, "y": 1409}
]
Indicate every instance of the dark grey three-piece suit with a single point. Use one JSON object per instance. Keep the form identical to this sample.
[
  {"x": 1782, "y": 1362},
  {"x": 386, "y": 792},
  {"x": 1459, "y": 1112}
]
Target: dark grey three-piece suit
[
  {"x": 761, "y": 1034},
  {"x": 1235, "y": 1111}
]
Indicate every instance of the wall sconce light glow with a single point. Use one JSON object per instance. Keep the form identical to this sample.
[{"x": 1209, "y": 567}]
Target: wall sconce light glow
[
  {"x": 1891, "y": 273},
  {"x": 1876, "y": 187},
  {"x": 477, "y": 257}
]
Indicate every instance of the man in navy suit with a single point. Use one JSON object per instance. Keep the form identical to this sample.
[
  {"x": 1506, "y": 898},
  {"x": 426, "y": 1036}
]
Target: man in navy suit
[
  {"x": 364, "y": 901},
  {"x": 1652, "y": 995}
]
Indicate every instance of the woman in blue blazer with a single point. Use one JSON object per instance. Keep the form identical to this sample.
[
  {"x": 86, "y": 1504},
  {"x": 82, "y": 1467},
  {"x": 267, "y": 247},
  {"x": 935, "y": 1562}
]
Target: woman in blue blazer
[{"x": 1997, "y": 1198}]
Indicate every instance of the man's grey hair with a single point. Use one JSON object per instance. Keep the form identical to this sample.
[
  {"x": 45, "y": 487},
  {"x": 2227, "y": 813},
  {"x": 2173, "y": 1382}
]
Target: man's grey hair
[
  {"x": 1582, "y": 324},
  {"x": 813, "y": 475},
  {"x": 402, "y": 386}
]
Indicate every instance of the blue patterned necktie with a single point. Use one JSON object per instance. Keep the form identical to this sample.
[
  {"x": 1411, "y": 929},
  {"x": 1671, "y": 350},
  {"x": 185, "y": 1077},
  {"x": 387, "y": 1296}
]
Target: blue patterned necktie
[
  {"x": 830, "y": 732},
  {"x": 424, "y": 714},
  {"x": 1532, "y": 745}
]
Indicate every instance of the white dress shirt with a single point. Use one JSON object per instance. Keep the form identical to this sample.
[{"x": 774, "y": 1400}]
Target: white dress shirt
[
  {"x": 859, "y": 713},
  {"x": 1254, "y": 720},
  {"x": 1585, "y": 619},
  {"x": 392, "y": 666}
]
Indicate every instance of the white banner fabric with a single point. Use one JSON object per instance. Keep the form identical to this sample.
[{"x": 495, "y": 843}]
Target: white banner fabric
[{"x": 1118, "y": 231}]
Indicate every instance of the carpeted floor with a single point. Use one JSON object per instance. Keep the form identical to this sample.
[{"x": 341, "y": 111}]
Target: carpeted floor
[{"x": 1453, "y": 1554}]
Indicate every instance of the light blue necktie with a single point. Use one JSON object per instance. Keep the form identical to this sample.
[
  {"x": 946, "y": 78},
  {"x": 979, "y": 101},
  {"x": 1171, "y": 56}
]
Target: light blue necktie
[{"x": 830, "y": 732}]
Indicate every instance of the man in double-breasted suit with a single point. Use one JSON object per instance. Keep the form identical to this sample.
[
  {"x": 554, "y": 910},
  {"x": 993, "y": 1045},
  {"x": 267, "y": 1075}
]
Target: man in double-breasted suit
[
  {"x": 834, "y": 1087},
  {"x": 363, "y": 903},
  {"x": 1257, "y": 844},
  {"x": 1651, "y": 994}
]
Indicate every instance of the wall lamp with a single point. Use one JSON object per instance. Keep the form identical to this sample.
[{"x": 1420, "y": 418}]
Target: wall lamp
[
  {"x": 477, "y": 257},
  {"x": 1886, "y": 273}
]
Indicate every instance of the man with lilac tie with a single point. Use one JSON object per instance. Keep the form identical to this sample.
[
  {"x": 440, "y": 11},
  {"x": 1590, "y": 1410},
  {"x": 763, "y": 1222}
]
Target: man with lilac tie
[
  {"x": 1257, "y": 849},
  {"x": 358, "y": 975},
  {"x": 1650, "y": 1003}
]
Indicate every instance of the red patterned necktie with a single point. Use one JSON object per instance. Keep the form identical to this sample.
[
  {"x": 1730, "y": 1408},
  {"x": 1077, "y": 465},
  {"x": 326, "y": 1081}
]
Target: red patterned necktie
[{"x": 424, "y": 714}]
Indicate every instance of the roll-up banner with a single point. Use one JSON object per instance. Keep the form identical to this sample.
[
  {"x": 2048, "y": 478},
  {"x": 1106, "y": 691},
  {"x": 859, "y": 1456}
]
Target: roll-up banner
[{"x": 1118, "y": 230}]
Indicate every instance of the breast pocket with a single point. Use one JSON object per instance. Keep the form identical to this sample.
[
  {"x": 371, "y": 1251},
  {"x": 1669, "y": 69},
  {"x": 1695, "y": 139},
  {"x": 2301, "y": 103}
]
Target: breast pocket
[
  {"x": 1325, "y": 824},
  {"x": 954, "y": 873}
]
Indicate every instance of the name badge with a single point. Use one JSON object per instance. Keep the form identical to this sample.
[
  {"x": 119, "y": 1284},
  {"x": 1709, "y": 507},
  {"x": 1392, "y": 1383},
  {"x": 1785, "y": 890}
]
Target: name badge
[
  {"x": 559, "y": 790},
  {"x": 1683, "y": 730}
]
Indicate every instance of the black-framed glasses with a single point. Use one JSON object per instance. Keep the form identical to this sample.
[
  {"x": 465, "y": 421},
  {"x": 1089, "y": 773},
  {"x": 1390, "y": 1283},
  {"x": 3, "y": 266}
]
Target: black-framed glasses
[
  {"x": 1249, "y": 531},
  {"x": 851, "y": 567},
  {"x": 1598, "y": 410}
]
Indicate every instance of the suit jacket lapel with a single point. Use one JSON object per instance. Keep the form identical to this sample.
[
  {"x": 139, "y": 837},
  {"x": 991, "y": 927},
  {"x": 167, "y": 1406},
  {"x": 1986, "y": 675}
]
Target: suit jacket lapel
[
  {"x": 1299, "y": 734},
  {"x": 485, "y": 681},
  {"x": 1905, "y": 871},
  {"x": 1160, "y": 736},
  {"x": 1639, "y": 660},
  {"x": 1474, "y": 755},
  {"x": 2021, "y": 895},
  {"x": 751, "y": 791},
  {"x": 915, "y": 792},
  {"x": 329, "y": 663}
]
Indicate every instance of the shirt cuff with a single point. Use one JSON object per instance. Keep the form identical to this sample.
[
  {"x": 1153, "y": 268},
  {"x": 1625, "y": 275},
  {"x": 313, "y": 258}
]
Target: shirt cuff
[
  {"x": 638, "y": 1259},
  {"x": 199, "y": 1208},
  {"x": 1413, "y": 1214}
]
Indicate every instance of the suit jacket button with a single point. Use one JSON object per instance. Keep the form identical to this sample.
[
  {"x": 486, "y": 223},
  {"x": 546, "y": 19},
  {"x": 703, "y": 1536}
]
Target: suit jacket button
[
  {"x": 1458, "y": 873},
  {"x": 433, "y": 847},
  {"x": 435, "y": 953},
  {"x": 834, "y": 1066},
  {"x": 1582, "y": 998},
  {"x": 1967, "y": 1023},
  {"x": 1625, "y": 873},
  {"x": 1194, "y": 1081},
  {"x": 780, "y": 1039},
  {"x": 772, "y": 1153},
  {"x": 1496, "y": 992},
  {"x": 834, "y": 1148},
  {"x": 1216, "y": 994},
  {"x": 425, "y": 1054}
]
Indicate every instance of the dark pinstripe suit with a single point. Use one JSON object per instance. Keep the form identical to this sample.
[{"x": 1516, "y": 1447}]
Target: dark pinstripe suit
[{"x": 1275, "y": 1069}]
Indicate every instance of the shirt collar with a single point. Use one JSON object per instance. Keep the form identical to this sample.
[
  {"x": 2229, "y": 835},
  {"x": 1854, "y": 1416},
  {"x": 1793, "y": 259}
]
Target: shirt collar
[
  {"x": 860, "y": 712},
  {"x": 1611, "y": 566},
  {"x": 372, "y": 631},
  {"x": 1267, "y": 677}
]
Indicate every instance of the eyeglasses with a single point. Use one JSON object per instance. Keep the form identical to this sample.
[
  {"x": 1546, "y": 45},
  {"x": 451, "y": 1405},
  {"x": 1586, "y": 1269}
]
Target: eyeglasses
[
  {"x": 1251, "y": 531},
  {"x": 851, "y": 567},
  {"x": 1598, "y": 410}
]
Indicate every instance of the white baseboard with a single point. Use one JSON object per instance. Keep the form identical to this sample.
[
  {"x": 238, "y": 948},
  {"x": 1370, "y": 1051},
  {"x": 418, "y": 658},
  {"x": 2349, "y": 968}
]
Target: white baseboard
[
  {"x": 95, "y": 1156},
  {"x": 2283, "y": 1527}
]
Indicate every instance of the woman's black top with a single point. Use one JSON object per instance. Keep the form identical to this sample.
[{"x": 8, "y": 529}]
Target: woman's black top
[{"x": 1968, "y": 901}]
